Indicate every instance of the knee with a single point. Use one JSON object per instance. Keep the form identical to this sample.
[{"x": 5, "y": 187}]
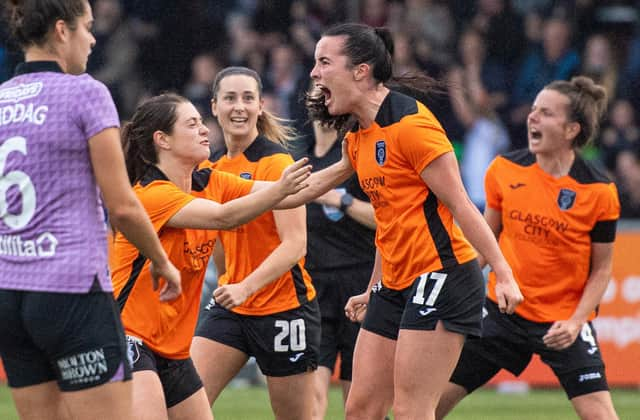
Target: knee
[{"x": 364, "y": 411}]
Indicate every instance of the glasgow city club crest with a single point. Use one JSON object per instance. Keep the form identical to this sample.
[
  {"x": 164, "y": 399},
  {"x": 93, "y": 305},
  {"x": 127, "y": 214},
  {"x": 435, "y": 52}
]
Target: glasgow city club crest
[
  {"x": 245, "y": 175},
  {"x": 566, "y": 198},
  {"x": 381, "y": 152}
]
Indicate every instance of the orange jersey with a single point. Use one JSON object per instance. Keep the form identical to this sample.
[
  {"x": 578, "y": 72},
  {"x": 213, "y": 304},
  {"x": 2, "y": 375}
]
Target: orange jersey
[
  {"x": 548, "y": 226},
  {"x": 167, "y": 327},
  {"x": 415, "y": 232},
  {"x": 249, "y": 245}
]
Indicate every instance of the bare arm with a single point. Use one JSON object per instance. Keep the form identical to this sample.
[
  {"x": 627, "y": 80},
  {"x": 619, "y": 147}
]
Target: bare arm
[
  {"x": 563, "y": 333},
  {"x": 208, "y": 214},
  {"x": 443, "y": 178},
  {"x": 291, "y": 226},
  {"x": 494, "y": 220},
  {"x": 126, "y": 213}
]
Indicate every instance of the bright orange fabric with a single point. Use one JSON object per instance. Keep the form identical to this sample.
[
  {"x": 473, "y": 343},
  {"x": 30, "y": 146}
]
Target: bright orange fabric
[
  {"x": 249, "y": 245},
  {"x": 415, "y": 233},
  {"x": 167, "y": 327},
  {"x": 548, "y": 248}
]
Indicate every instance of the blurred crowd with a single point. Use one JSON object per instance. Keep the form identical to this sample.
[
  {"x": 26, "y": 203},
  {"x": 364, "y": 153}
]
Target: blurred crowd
[{"x": 494, "y": 56}]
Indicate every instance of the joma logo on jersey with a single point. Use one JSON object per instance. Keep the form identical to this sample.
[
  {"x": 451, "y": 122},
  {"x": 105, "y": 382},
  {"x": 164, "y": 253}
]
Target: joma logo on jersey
[
  {"x": 566, "y": 198},
  {"x": 381, "y": 152}
]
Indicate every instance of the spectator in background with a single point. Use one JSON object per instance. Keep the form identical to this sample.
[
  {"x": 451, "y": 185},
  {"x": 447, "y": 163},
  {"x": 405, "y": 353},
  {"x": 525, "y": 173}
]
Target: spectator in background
[
  {"x": 340, "y": 256},
  {"x": 374, "y": 12},
  {"x": 621, "y": 133},
  {"x": 557, "y": 60},
  {"x": 478, "y": 88},
  {"x": 629, "y": 87},
  {"x": 114, "y": 59},
  {"x": 598, "y": 63},
  {"x": 628, "y": 178},
  {"x": 204, "y": 68},
  {"x": 283, "y": 78}
]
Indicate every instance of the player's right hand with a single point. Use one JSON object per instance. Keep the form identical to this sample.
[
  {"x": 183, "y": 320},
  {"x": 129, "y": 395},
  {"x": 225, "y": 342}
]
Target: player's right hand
[
  {"x": 356, "y": 307},
  {"x": 172, "y": 283},
  {"x": 294, "y": 176}
]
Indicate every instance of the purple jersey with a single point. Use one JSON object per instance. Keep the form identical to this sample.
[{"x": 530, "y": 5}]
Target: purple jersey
[{"x": 52, "y": 227}]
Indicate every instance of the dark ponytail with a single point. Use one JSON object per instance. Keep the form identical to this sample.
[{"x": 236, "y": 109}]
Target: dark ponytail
[
  {"x": 30, "y": 21},
  {"x": 374, "y": 46},
  {"x": 155, "y": 114}
]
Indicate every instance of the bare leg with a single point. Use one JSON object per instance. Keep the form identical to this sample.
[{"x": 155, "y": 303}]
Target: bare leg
[
  {"x": 451, "y": 396},
  {"x": 195, "y": 407},
  {"x": 371, "y": 393},
  {"x": 321, "y": 381},
  {"x": 216, "y": 364},
  {"x": 39, "y": 401},
  {"x": 423, "y": 365},
  {"x": 148, "y": 396},
  {"x": 595, "y": 406},
  {"x": 290, "y": 396}
]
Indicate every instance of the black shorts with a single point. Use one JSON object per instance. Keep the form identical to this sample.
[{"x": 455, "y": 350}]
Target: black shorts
[
  {"x": 454, "y": 296},
  {"x": 179, "y": 378},
  {"x": 283, "y": 344},
  {"x": 339, "y": 334},
  {"x": 76, "y": 339},
  {"x": 509, "y": 341}
]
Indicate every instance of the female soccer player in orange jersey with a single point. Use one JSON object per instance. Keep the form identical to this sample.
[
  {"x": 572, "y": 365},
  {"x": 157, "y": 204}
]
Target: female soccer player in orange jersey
[
  {"x": 426, "y": 290},
  {"x": 265, "y": 305},
  {"x": 555, "y": 215},
  {"x": 164, "y": 143}
]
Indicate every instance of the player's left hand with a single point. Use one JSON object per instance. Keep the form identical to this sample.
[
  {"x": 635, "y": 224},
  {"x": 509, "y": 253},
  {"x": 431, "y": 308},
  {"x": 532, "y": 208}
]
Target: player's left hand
[
  {"x": 562, "y": 334},
  {"x": 230, "y": 295}
]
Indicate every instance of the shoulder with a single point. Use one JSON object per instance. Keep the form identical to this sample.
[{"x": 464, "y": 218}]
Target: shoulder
[
  {"x": 520, "y": 157},
  {"x": 263, "y": 148},
  {"x": 395, "y": 107},
  {"x": 588, "y": 172}
]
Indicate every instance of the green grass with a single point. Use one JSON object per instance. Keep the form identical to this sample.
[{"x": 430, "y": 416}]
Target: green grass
[{"x": 253, "y": 404}]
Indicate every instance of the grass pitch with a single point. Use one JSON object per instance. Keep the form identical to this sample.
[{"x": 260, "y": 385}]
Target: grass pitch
[{"x": 252, "y": 403}]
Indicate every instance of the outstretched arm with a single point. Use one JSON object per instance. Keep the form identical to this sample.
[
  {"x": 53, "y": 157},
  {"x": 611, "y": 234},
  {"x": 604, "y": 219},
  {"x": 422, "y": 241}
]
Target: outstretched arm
[
  {"x": 207, "y": 214},
  {"x": 442, "y": 176}
]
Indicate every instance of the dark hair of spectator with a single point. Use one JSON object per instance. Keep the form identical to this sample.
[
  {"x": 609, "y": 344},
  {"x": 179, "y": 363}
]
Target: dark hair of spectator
[
  {"x": 31, "y": 21},
  {"x": 156, "y": 114},
  {"x": 270, "y": 126},
  {"x": 373, "y": 46},
  {"x": 587, "y": 105}
]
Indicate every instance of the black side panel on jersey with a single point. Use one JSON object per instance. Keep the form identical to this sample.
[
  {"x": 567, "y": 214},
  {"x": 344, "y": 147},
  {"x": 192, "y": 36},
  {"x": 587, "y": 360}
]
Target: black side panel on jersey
[
  {"x": 522, "y": 157},
  {"x": 136, "y": 268},
  {"x": 200, "y": 179},
  {"x": 298, "y": 282},
  {"x": 438, "y": 232},
  {"x": 587, "y": 172},
  {"x": 395, "y": 107}
]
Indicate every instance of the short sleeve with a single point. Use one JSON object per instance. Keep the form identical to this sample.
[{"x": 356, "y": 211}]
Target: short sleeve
[
  {"x": 224, "y": 187},
  {"x": 94, "y": 107},
  {"x": 421, "y": 139},
  {"x": 492, "y": 188},
  {"x": 162, "y": 200},
  {"x": 604, "y": 230}
]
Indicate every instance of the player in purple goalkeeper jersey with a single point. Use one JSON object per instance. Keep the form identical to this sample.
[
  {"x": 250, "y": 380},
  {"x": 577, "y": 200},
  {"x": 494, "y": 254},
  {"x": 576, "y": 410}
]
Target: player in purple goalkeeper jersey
[{"x": 60, "y": 154}]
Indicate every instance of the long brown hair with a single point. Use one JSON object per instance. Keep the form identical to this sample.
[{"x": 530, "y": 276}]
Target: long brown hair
[
  {"x": 270, "y": 126},
  {"x": 374, "y": 46},
  {"x": 157, "y": 113}
]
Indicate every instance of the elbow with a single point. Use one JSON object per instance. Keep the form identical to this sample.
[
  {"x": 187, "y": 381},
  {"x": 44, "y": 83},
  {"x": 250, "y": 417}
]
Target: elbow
[
  {"x": 298, "y": 250},
  {"x": 122, "y": 214}
]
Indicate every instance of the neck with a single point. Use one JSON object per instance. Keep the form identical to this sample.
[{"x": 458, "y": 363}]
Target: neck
[
  {"x": 557, "y": 164},
  {"x": 178, "y": 172},
  {"x": 237, "y": 145},
  {"x": 36, "y": 53},
  {"x": 368, "y": 109}
]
